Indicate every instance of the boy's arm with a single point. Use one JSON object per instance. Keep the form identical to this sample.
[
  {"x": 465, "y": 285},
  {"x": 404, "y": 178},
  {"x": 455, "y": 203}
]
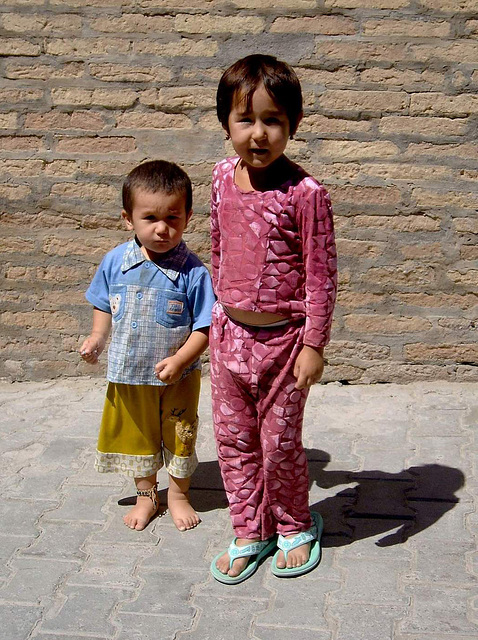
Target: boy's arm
[
  {"x": 95, "y": 343},
  {"x": 171, "y": 369}
]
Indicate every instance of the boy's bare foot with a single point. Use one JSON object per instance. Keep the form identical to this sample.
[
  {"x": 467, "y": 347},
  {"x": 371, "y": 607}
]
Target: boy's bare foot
[
  {"x": 239, "y": 564},
  {"x": 140, "y": 515},
  {"x": 182, "y": 513},
  {"x": 295, "y": 558}
]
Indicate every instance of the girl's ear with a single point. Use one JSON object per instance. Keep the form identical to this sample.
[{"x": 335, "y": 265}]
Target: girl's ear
[
  {"x": 127, "y": 220},
  {"x": 228, "y": 136},
  {"x": 299, "y": 118}
]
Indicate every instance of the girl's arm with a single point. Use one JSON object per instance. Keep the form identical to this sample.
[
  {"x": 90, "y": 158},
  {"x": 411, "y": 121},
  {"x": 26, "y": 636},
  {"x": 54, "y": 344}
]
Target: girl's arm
[
  {"x": 320, "y": 263},
  {"x": 95, "y": 343},
  {"x": 215, "y": 232}
]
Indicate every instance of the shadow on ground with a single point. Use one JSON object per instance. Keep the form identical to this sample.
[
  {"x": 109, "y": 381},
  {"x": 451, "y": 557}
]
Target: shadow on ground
[{"x": 398, "y": 505}]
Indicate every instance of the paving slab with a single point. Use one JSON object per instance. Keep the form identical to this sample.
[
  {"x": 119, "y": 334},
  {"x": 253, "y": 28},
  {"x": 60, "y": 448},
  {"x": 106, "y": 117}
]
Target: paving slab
[{"x": 392, "y": 471}]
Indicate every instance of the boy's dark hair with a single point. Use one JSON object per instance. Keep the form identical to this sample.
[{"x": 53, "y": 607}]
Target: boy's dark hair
[
  {"x": 244, "y": 77},
  {"x": 155, "y": 176}
]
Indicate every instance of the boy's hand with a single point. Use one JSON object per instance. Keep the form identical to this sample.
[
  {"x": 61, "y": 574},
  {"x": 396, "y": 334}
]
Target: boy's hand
[
  {"x": 169, "y": 370},
  {"x": 309, "y": 367},
  {"x": 91, "y": 349}
]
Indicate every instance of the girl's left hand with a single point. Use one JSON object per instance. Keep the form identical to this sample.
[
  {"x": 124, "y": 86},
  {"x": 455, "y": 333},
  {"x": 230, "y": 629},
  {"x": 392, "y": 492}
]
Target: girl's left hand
[{"x": 309, "y": 367}]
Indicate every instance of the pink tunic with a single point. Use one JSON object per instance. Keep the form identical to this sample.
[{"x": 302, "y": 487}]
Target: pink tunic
[{"x": 274, "y": 251}]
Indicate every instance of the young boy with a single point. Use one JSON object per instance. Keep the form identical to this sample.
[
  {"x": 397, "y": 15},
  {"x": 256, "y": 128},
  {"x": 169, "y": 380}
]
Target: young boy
[{"x": 157, "y": 297}]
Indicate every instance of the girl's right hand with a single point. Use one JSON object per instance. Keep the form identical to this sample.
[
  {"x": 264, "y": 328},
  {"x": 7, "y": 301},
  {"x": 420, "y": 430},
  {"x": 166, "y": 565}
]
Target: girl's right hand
[{"x": 91, "y": 349}]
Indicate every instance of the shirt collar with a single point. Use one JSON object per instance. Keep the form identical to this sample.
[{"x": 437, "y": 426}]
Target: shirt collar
[{"x": 170, "y": 265}]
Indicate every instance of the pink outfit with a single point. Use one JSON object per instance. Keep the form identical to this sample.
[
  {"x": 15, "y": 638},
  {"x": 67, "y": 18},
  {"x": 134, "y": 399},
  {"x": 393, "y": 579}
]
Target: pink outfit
[
  {"x": 271, "y": 251},
  {"x": 274, "y": 251}
]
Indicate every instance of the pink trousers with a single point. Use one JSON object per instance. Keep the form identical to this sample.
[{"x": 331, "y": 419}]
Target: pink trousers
[{"x": 258, "y": 426}]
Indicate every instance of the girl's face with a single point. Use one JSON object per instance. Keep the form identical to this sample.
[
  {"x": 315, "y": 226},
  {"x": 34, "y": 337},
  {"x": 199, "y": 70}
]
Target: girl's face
[{"x": 259, "y": 135}]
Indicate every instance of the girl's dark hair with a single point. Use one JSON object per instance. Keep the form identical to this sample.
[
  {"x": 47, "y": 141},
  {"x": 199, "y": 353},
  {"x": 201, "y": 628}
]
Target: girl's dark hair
[
  {"x": 154, "y": 176},
  {"x": 244, "y": 76}
]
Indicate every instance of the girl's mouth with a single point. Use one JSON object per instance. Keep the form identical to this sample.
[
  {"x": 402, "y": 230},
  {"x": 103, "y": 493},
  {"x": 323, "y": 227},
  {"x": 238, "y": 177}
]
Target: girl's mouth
[{"x": 259, "y": 152}]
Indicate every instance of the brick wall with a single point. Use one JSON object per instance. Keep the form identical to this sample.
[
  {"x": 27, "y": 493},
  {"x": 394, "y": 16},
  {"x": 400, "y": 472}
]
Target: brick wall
[{"x": 89, "y": 88}]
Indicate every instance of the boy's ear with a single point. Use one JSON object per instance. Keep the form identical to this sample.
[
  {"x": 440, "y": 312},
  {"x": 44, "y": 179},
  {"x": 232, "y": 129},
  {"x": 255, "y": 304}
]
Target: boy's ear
[
  {"x": 127, "y": 220},
  {"x": 188, "y": 217}
]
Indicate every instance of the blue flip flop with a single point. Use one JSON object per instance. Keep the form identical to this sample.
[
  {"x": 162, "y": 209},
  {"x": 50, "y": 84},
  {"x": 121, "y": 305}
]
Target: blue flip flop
[
  {"x": 256, "y": 551},
  {"x": 312, "y": 535}
]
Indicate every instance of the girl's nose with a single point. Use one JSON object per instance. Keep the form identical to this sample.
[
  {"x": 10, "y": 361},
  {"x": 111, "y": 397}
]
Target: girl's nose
[{"x": 259, "y": 132}]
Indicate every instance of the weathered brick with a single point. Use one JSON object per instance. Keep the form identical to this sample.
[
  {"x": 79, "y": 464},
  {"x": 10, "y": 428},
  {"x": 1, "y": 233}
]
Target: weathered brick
[
  {"x": 461, "y": 52},
  {"x": 360, "y": 248},
  {"x": 408, "y": 79},
  {"x": 14, "y": 191},
  {"x": 422, "y": 126},
  {"x": 422, "y": 352},
  {"x": 91, "y": 191},
  {"x": 87, "y": 120},
  {"x": 407, "y": 171},
  {"x": 21, "y": 168},
  {"x": 362, "y": 323},
  {"x": 110, "y": 98},
  {"x": 374, "y": 102},
  {"x": 436, "y": 198},
  {"x": 409, "y": 274},
  {"x": 39, "y": 71},
  {"x": 317, "y": 123},
  {"x": 450, "y": 6},
  {"x": 16, "y": 96},
  {"x": 21, "y": 143},
  {"x": 57, "y": 320},
  {"x": 469, "y": 253},
  {"x": 441, "y": 104},
  {"x": 464, "y": 150},
  {"x": 40, "y": 24},
  {"x": 17, "y": 244},
  {"x": 356, "y": 299},
  {"x": 133, "y": 23},
  {"x": 218, "y": 24},
  {"x": 465, "y": 225},
  {"x": 351, "y": 150},
  {"x": 321, "y": 24},
  {"x": 206, "y": 47},
  {"x": 422, "y": 250},
  {"x": 78, "y": 246},
  {"x": 438, "y": 300},
  {"x": 406, "y": 28},
  {"x": 8, "y": 120},
  {"x": 366, "y": 4},
  {"x": 356, "y": 52},
  {"x": 120, "y": 144},
  {"x": 129, "y": 73},
  {"x": 87, "y": 46},
  {"x": 366, "y": 195},
  {"x": 18, "y": 47},
  {"x": 180, "y": 97},
  {"x": 277, "y": 4},
  {"x": 465, "y": 277},
  {"x": 153, "y": 120}
]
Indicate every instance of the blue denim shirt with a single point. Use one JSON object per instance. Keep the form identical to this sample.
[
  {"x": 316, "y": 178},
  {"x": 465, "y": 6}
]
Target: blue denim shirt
[{"x": 154, "y": 308}]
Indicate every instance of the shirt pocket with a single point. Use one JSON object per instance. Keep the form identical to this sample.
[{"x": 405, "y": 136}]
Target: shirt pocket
[
  {"x": 172, "y": 309},
  {"x": 117, "y": 296}
]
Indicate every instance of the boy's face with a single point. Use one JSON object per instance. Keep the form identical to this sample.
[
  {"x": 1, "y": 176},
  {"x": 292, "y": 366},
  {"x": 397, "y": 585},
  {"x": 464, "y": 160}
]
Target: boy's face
[{"x": 158, "y": 220}]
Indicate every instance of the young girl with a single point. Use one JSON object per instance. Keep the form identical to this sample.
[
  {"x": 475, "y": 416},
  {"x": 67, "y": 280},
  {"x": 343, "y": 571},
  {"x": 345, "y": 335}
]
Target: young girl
[{"x": 274, "y": 274}]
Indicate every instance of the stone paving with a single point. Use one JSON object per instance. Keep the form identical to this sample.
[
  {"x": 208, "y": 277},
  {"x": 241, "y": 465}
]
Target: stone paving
[{"x": 393, "y": 472}]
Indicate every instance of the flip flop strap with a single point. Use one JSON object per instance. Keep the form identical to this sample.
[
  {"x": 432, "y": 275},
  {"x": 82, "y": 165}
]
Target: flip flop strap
[
  {"x": 297, "y": 541},
  {"x": 244, "y": 552}
]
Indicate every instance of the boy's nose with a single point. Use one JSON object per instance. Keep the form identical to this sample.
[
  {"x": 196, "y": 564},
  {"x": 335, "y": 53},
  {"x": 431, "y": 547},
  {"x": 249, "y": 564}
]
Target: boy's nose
[{"x": 161, "y": 228}]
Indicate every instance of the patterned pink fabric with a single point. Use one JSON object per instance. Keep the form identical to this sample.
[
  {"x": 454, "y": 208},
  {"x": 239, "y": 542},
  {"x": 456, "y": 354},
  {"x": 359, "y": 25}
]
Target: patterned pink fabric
[
  {"x": 258, "y": 426},
  {"x": 274, "y": 251}
]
